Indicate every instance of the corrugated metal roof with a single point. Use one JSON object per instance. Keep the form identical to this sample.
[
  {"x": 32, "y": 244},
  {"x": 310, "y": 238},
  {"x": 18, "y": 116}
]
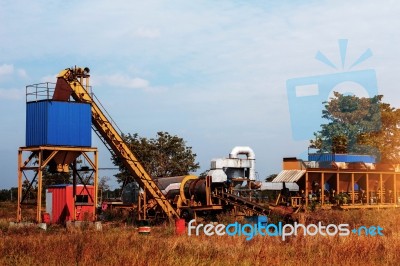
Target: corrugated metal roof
[
  {"x": 279, "y": 186},
  {"x": 289, "y": 176}
]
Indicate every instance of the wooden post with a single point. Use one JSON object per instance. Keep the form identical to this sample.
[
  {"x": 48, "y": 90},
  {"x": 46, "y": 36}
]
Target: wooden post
[
  {"x": 352, "y": 189},
  {"x": 322, "y": 188},
  {"x": 395, "y": 188},
  {"x": 337, "y": 183},
  {"x": 306, "y": 189},
  {"x": 381, "y": 187},
  {"x": 367, "y": 189}
]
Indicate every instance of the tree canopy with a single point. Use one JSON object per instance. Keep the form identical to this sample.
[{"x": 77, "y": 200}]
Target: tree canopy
[
  {"x": 270, "y": 177},
  {"x": 361, "y": 126},
  {"x": 163, "y": 156}
]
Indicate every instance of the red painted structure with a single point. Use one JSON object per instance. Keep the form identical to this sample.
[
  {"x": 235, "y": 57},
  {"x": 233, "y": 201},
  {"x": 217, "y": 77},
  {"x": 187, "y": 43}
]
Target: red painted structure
[{"x": 60, "y": 203}]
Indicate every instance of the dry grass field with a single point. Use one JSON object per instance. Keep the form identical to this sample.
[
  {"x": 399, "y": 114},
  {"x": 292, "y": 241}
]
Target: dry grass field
[{"x": 124, "y": 246}]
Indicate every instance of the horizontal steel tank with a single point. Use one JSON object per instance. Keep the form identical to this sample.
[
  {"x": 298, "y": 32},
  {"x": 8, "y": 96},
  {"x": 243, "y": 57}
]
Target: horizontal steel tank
[{"x": 192, "y": 187}]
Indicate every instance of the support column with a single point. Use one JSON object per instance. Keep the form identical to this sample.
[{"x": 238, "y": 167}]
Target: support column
[
  {"x": 30, "y": 164},
  {"x": 74, "y": 175},
  {"x": 381, "y": 187},
  {"x": 393, "y": 199},
  {"x": 352, "y": 189},
  {"x": 306, "y": 189},
  {"x": 322, "y": 188},
  {"x": 337, "y": 183},
  {"x": 367, "y": 189},
  {"x": 19, "y": 186},
  {"x": 395, "y": 189},
  {"x": 208, "y": 190},
  {"x": 96, "y": 184},
  {"x": 139, "y": 206},
  {"x": 39, "y": 191},
  {"x": 144, "y": 204}
]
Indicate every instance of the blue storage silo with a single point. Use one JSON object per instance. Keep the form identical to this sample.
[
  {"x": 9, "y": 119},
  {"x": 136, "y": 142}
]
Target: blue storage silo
[{"x": 54, "y": 123}]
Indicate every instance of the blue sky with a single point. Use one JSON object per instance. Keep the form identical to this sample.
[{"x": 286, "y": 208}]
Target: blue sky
[{"x": 212, "y": 72}]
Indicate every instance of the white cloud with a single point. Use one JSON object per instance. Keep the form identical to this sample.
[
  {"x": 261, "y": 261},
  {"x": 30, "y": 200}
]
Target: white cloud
[
  {"x": 49, "y": 78},
  {"x": 147, "y": 33},
  {"x": 6, "y": 69},
  {"x": 119, "y": 80},
  {"x": 12, "y": 94},
  {"x": 22, "y": 73}
]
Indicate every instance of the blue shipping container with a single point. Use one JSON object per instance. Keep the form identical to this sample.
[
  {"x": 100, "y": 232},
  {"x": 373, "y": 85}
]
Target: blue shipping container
[
  {"x": 51, "y": 123},
  {"x": 347, "y": 158}
]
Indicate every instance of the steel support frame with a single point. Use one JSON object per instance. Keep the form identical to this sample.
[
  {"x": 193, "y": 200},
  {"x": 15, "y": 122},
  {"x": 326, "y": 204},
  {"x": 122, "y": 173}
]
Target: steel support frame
[
  {"x": 39, "y": 166},
  {"x": 352, "y": 175}
]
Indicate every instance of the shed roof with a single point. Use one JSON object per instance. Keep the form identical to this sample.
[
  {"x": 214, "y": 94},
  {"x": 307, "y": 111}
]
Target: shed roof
[
  {"x": 289, "y": 176},
  {"x": 279, "y": 186}
]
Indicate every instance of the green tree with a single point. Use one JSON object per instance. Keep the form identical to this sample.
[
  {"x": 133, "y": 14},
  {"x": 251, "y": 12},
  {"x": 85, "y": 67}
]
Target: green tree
[
  {"x": 360, "y": 125},
  {"x": 270, "y": 177},
  {"x": 5, "y": 194},
  {"x": 204, "y": 173},
  {"x": 162, "y": 156},
  {"x": 54, "y": 178},
  {"x": 9, "y": 194},
  {"x": 103, "y": 185}
]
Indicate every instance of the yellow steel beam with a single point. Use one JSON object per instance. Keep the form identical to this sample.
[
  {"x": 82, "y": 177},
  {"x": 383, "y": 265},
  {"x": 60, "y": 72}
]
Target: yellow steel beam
[
  {"x": 93, "y": 165},
  {"x": 115, "y": 141},
  {"x": 48, "y": 159},
  {"x": 57, "y": 148}
]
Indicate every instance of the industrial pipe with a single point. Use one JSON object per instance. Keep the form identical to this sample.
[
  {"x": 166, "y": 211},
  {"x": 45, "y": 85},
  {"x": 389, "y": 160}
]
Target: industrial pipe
[{"x": 250, "y": 156}]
